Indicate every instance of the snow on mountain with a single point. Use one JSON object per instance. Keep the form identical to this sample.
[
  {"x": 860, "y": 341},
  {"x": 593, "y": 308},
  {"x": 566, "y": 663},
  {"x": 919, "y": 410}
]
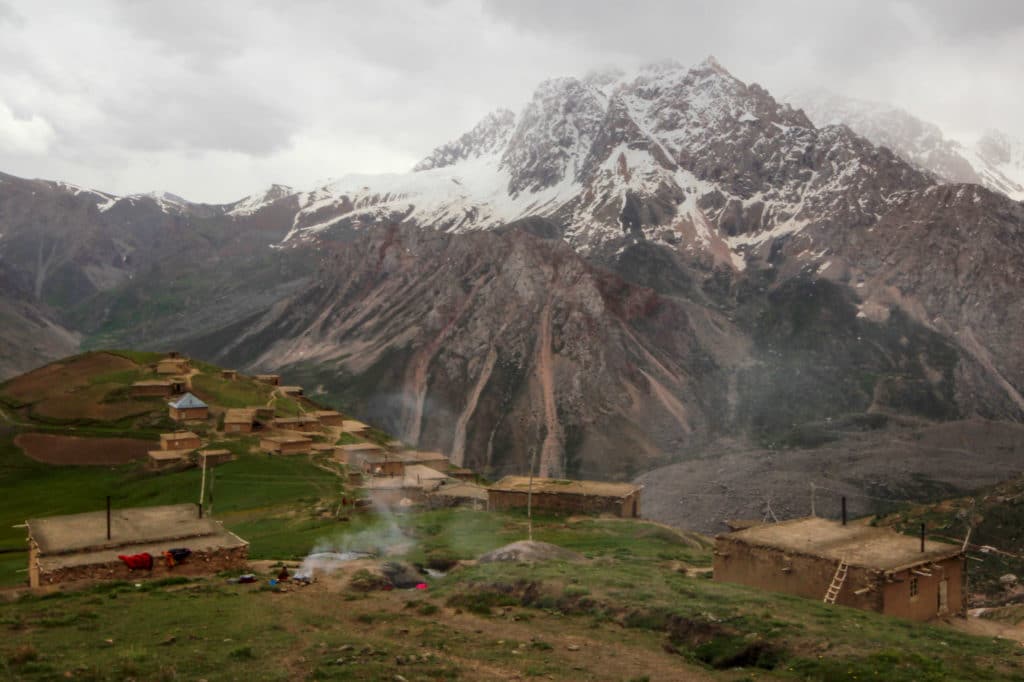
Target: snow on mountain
[
  {"x": 690, "y": 157},
  {"x": 996, "y": 161},
  {"x": 1000, "y": 162},
  {"x": 255, "y": 202}
]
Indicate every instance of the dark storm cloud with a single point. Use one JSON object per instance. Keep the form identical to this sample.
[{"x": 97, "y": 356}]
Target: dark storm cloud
[{"x": 214, "y": 100}]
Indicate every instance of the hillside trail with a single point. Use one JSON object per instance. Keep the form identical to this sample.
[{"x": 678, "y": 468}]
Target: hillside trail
[{"x": 985, "y": 627}]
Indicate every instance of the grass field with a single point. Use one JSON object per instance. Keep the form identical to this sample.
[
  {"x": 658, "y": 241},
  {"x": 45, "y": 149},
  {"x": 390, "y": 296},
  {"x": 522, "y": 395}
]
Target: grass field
[
  {"x": 625, "y": 613},
  {"x": 251, "y": 485}
]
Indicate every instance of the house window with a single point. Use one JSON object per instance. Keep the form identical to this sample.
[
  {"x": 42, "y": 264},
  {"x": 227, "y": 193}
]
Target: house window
[{"x": 913, "y": 587}]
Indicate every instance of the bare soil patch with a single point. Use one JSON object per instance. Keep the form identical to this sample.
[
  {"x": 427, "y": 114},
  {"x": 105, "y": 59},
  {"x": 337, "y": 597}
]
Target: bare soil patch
[
  {"x": 91, "y": 403},
  {"x": 65, "y": 377},
  {"x": 53, "y": 449}
]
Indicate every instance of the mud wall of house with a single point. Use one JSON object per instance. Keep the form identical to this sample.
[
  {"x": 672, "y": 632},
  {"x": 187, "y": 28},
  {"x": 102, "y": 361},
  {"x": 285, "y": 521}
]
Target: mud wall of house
[
  {"x": 200, "y": 563},
  {"x": 799, "y": 574},
  {"x": 391, "y": 497},
  {"x": 925, "y": 604},
  {"x": 500, "y": 500}
]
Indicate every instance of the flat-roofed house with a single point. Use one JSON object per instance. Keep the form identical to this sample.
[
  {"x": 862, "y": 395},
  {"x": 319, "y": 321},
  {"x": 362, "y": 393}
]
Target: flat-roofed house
[
  {"x": 302, "y": 423},
  {"x": 352, "y": 453},
  {"x": 166, "y": 459},
  {"x": 161, "y": 388},
  {"x": 286, "y": 445},
  {"x": 212, "y": 458},
  {"x": 229, "y": 374},
  {"x": 85, "y": 547},
  {"x": 434, "y": 460},
  {"x": 172, "y": 366},
  {"x": 238, "y": 420},
  {"x": 188, "y": 408},
  {"x": 409, "y": 488},
  {"x": 272, "y": 379},
  {"x": 180, "y": 440},
  {"x": 575, "y": 497},
  {"x": 353, "y": 426},
  {"x": 293, "y": 391},
  {"x": 329, "y": 417},
  {"x": 869, "y": 568}
]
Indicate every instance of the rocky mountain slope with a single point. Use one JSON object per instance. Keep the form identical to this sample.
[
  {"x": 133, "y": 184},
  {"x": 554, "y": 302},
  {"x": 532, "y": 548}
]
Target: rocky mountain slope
[
  {"x": 626, "y": 271},
  {"x": 996, "y": 160}
]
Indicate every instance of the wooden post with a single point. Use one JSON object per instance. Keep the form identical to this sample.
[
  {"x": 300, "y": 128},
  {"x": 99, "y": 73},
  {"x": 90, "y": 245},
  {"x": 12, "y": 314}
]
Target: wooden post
[
  {"x": 202, "y": 484},
  {"x": 108, "y": 517},
  {"x": 529, "y": 497},
  {"x": 844, "y": 510},
  {"x": 922, "y": 537},
  {"x": 812, "y": 499}
]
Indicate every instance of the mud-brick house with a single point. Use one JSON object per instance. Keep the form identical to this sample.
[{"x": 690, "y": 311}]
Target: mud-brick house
[
  {"x": 239, "y": 420},
  {"x": 302, "y": 423},
  {"x": 272, "y": 379},
  {"x": 353, "y": 426},
  {"x": 168, "y": 459},
  {"x": 329, "y": 417},
  {"x": 180, "y": 440},
  {"x": 87, "y": 546},
  {"x": 573, "y": 497},
  {"x": 229, "y": 374},
  {"x": 286, "y": 445},
  {"x": 176, "y": 365},
  {"x": 857, "y": 565},
  {"x": 352, "y": 453},
  {"x": 160, "y": 388},
  {"x": 435, "y": 460},
  {"x": 293, "y": 391},
  {"x": 211, "y": 458},
  {"x": 188, "y": 408}
]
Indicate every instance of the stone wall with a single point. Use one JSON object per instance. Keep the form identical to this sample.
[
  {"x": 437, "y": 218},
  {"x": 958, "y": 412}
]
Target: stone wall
[{"x": 200, "y": 563}]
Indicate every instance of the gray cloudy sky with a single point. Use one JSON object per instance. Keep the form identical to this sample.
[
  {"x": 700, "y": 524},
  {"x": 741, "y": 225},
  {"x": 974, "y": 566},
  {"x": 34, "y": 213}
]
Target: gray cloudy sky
[{"x": 215, "y": 100}]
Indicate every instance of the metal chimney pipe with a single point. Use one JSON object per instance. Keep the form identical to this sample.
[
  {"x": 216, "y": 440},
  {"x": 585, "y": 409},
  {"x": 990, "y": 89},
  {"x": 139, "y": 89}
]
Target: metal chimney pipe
[
  {"x": 844, "y": 510},
  {"x": 108, "y": 517}
]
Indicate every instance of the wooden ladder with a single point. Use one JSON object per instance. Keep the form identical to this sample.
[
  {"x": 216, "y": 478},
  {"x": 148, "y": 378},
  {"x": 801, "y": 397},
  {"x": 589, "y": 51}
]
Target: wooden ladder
[{"x": 837, "y": 582}]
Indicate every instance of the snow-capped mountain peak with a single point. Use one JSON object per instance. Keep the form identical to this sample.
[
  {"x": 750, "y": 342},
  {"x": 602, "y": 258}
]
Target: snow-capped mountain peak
[{"x": 991, "y": 161}]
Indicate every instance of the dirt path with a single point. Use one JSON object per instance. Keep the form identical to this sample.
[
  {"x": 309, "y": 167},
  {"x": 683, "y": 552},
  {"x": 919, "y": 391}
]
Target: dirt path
[{"x": 988, "y": 628}]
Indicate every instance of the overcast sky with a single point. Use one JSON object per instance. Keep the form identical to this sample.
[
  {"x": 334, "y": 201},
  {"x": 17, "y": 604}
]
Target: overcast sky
[{"x": 215, "y": 100}]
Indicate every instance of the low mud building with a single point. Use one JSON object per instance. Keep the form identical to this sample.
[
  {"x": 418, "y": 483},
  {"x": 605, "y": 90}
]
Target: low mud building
[
  {"x": 88, "y": 546},
  {"x": 188, "y": 408},
  {"x": 238, "y": 420},
  {"x": 856, "y": 565},
  {"x": 176, "y": 365},
  {"x": 303, "y": 423},
  {"x": 356, "y": 453},
  {"x": 329, "y": 417},
  {"x": 272, "y": 379},
  {"x": 158, "y": 388},
  {"x": 168, "y": 459},
  {"x": 180, "y": 440},
  {"x": 211, "y": 458},
  {"x": 286, "y": 445},
  {"x": 572, "y": 497},
  {"x": 353, "y": 426}
]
